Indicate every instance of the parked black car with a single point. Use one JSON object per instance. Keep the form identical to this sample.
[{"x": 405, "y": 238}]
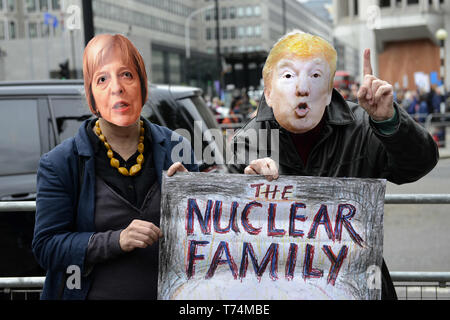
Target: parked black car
[{"x": 38, "y": 115}]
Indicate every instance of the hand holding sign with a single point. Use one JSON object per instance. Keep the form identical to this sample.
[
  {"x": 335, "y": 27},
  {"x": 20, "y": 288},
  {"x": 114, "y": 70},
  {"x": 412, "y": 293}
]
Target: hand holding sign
[
  {"x": 176, "y": 167},
  {"x": 375, "y": 95},
  {"x": 266, "y": 167}
]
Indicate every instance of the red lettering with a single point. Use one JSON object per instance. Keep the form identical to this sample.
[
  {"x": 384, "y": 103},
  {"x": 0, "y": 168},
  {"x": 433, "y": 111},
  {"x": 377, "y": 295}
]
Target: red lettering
[
  {"x": 286, "y": 191},
  {"x": 273, "y": 192},
  {"x": 258, "y": 187}
]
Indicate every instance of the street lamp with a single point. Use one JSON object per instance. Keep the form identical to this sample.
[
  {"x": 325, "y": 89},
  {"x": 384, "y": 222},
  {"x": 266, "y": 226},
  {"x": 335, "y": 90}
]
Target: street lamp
[
  {"x": 187, "y": 40},
  {"x": 441, "y": 35}
]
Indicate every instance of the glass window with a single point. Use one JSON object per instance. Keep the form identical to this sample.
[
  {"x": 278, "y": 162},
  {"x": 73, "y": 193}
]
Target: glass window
[
  {"x": 224, "y": 33},
  {"x": 208, "y": 14},
  {"x": 413, "y": 1},
  {"x": 1, "y": 5},
  {"x": 30, "y": 5},
  {"x": 232, "y": 12},
  {"x": 20, "y": 147},
  {"x": 69, "y": 114},
  {"x": 2, "y": 30},
  {"x": 249, "y": 11},
  {"x": 45, "y": 30},
  {"x": 208, "y": 33},
  {"x": 258, "y": 30},
  {"x": 157, "y": 73},
  {"x": 385, "y": 3},
  {"x": 241, "y": 32},
  {"x": 224, "y": 11},
  {"x": 249, "y": 31},
  {"x": 240, "y": 12},
  {"x": 32, "y": 30},
  {"x": 233, "y": 32},
  {"x": 56, "y": 4},
  {"x": 43, "y": 5},
  {"x": 11, "y": 5},
  {"x": 257, "y": 10},
  {"x": 175, "y": 68},
  {"x": 12, "y": 30}
]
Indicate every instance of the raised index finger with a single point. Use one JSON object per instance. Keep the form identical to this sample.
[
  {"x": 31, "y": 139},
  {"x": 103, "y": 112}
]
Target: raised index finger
[{"x": 367, "y": 64}]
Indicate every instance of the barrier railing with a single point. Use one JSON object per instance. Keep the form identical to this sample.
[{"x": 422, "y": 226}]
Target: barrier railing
[
  {"x": 421, "y": 285},
  {"x": 417, "y": 198},
  {"x": 436, "y": 119},
  {"x": 409, "y": 285}
]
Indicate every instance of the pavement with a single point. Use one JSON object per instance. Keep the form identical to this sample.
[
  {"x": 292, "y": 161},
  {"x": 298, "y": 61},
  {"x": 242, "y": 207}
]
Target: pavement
[{"x": 444, "y": 152}]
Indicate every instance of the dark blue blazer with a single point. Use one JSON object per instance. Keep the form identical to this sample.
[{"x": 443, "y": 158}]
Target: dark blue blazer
[{"x": 59, "y": 241}]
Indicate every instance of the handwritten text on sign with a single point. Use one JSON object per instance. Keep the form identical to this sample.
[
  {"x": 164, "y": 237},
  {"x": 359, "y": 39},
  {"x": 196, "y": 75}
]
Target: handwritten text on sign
[{"x": 238, "y": 237}]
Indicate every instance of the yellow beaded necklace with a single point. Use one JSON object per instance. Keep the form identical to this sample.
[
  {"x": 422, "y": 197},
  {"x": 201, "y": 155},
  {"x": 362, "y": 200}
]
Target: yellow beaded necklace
[{"x": 114, "y": 162}]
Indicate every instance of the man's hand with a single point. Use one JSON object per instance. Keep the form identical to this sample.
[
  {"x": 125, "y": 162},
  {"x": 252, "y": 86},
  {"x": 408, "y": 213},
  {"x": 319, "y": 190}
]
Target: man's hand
[
  {"x": 139, "y": 234},
  {"x": 375, "y": 96},
  {"x": 176, "y": 167},
  {"x": 266, "y": 167}
]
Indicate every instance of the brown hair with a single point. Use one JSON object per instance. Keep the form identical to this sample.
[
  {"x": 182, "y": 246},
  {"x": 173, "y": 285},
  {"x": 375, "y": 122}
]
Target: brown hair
[{"x": 98, "y": 50}]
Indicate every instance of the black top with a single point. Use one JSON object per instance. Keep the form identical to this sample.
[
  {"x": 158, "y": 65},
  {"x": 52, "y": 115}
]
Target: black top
[
  {"x": 132, "y": 188},
  {"x": 304, "y": 142}
]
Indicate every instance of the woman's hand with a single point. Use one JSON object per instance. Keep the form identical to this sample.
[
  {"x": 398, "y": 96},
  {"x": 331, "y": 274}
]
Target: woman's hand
[
  {"x": 139, "y": 234},
  {"x": 176, "y": 167}
]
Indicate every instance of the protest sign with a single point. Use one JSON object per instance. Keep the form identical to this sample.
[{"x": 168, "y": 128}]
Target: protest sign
[{"x": 242, "y": 237}]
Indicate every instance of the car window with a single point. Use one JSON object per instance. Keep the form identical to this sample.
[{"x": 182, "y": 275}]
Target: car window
[
  {"x": 204, "y": 111},
  {"x": 194, "y": 111},
  {"x": 69, "y": 114},
  {"x": 149, "y": 112},
  {"x": 20, "y": 148}
]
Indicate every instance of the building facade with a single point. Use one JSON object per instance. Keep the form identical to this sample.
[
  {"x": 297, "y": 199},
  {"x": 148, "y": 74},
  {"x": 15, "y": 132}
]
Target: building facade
[
  {"x": 400, "y": 34},
  {"x": 38, "y": 35},
  {"x": 34, "y": 40},
  {"x": 247, "y": 31}
]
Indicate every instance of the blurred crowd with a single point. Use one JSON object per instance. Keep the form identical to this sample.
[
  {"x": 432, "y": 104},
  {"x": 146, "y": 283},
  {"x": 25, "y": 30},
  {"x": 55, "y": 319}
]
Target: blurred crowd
[
  {"x": 418, "y": 103},
  {"x": 241, "y": 108}
]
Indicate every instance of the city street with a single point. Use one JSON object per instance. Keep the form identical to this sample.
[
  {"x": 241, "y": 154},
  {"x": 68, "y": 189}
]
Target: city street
[{"x": 416, "y": 237}]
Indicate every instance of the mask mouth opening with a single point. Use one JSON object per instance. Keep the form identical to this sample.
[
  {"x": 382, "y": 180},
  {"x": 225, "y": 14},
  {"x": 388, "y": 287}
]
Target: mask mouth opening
[
  {"x": 302, "y": 105},
  {"x": 120, "y": 104}
]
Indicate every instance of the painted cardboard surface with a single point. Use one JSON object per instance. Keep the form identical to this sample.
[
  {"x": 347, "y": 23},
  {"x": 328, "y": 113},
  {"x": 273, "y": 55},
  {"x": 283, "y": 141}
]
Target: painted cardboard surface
[{"x": 242, "y": 237}]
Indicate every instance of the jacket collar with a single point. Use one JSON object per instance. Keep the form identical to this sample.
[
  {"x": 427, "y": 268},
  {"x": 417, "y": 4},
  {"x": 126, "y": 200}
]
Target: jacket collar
[
  {"x": 337, "y": 112},
  {"x": 82, "y": 141}
]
